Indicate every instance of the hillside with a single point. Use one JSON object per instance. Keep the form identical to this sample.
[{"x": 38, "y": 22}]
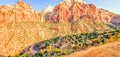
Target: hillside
[
  {"x": 65, "y": 45},
  {"x": 108, "y": 50}
]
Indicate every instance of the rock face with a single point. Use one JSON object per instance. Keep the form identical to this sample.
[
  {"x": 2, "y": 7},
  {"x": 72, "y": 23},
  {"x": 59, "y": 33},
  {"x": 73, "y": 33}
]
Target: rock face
[
  {"x": 19, "y": 12},
  {"x": 116, "y": 20},
  {"x": 72, "y": 10}
]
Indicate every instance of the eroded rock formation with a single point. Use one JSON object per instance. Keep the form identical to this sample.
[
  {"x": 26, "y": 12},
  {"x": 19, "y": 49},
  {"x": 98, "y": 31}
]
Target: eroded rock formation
[
  {"x": 19, "y": 12},
  {"x": 64, "y": 12}
]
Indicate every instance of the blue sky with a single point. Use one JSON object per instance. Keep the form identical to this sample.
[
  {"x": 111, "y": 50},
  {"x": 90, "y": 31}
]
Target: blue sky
[{"x": 113, "y": 6}]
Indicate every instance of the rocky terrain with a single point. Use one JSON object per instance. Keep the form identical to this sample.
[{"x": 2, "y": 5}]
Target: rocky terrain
[
  {"x": 9, "y": 29},
  {"x": 65, "y": 12},
  {"x": 21, "y": 26},
  {"x": 18, "y": 12}
]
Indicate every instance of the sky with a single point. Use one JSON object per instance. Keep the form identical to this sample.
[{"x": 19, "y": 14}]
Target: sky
[{"x": 111, "y": 5}]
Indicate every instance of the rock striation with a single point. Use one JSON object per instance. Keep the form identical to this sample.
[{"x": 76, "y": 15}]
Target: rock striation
[
  {"x": 19, "y": 12},
  {"x": 72, "y": 10}
]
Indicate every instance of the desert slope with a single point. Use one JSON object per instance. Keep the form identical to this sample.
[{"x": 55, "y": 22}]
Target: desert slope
[{"x": 108, "y": 50}]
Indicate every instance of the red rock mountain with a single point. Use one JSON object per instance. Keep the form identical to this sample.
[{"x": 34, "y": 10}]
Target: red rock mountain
[
  {"x": 19, "y": 12},
  {"x": 10, "y": 29},
  {"x": 65, "y": 12}
]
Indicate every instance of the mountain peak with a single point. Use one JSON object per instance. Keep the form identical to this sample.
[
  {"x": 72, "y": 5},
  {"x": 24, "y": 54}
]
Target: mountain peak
[
  {"x": 22, "y": 4},
  {"x": 20, "y": 0},
  {"x": 49, "y": 8},
  {"x": 72, "y": 10},
  {"x": 72, "y": 1}
]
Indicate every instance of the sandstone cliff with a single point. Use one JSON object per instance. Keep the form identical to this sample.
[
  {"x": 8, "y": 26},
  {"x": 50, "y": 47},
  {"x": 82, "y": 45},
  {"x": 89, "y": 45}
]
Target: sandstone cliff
[
  {"x": 64, "y": 12},
  {"x": 19, "y": 12}
]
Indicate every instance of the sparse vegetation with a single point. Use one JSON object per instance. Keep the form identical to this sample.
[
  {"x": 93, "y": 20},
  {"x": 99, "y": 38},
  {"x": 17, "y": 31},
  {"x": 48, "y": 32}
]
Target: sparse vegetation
[{"x": 72, "y": 43}]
